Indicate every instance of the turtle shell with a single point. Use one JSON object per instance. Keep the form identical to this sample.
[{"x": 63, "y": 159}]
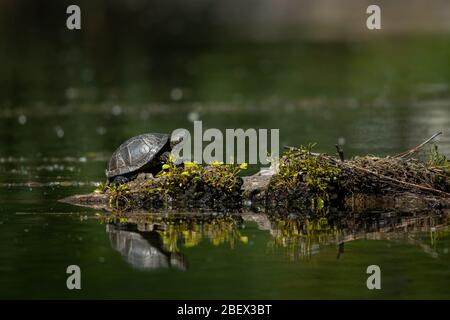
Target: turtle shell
[{"x": 135, "y": 153}]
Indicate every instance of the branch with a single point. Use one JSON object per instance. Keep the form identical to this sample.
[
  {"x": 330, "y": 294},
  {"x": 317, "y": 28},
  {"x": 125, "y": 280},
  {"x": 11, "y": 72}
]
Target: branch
[{"x": 417, "y": 148}]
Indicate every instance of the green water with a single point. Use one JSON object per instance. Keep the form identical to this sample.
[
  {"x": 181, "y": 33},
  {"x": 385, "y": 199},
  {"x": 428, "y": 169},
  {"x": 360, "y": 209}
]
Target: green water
[{"x": 61, "y": 117}]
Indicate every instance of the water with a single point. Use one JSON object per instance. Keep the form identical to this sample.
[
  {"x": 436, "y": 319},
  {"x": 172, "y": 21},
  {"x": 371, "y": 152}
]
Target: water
[{"x": 56, "y": 137}]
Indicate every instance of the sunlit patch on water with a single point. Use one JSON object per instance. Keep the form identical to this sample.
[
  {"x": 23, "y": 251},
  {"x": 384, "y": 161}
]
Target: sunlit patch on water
[
  {"x": 27, "y": 170},
  {"x": 45, "y": 171},
  {"x": 68, "y": 213},
  {"x": 92, "y": 157},
  {"x": 36, "y": 184}
]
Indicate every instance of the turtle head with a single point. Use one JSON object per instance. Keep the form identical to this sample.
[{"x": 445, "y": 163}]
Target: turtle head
[{"x": 177, "y": 137}]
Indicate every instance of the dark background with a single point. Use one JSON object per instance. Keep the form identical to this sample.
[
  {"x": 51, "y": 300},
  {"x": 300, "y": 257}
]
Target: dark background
[{"x": 159, "y": 43}]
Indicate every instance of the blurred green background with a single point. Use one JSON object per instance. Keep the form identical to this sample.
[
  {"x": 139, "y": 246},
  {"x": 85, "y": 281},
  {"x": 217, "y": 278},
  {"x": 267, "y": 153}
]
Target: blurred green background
[{"x": 310, "y": 68}]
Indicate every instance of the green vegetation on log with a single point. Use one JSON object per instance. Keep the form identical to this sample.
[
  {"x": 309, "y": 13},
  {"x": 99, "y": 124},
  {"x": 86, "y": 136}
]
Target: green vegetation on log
[
  {"x": 441, "y": 164},
  {"x": 299, "y": 166},
  {"x": 173, "y": 180},
  {"x": 190, "y": 184},
  {"x": 305, "y": 181}
]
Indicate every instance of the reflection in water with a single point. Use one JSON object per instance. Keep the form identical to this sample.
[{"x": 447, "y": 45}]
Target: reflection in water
[
  {"x": 302, "y": 237},
  {"x": 144, "y": 250},
  {"x": 150, "y": 241}
]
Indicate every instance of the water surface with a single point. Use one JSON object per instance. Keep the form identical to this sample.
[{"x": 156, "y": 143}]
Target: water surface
[{"x": 56, "y": 137}]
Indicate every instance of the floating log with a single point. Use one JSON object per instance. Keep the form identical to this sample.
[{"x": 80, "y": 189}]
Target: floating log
[{"x": 305, "y": 182}]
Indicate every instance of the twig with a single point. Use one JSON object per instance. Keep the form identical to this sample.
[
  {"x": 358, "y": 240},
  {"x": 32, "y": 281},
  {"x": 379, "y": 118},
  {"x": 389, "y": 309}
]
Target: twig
[
  {"x": 417, "y": 148},
  {"x": 340, "y": 152},
  {"x": 412, "y": 185},
  {"x": 296, "y": 148}
]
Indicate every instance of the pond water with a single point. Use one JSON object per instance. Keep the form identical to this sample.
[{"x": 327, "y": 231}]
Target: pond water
[{"x": 61, "y": 119}]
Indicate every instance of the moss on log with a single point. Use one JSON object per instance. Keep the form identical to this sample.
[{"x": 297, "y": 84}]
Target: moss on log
[{"x": 305, "y": 182}]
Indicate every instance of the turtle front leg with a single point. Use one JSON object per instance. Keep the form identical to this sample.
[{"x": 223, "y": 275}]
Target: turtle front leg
[
  {"x": 165, "y": 157},
  {"x": 120, "y": 180}
]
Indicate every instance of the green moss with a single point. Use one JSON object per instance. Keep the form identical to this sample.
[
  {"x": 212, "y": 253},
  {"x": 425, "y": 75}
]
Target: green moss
[
  {"x": 299, "y": 166},
  {"x": 173, "y": 180},
  {"x": 119, "y": 196},
  {"x": 217, "y": 182},
  {"x": 441, "y": 165}
]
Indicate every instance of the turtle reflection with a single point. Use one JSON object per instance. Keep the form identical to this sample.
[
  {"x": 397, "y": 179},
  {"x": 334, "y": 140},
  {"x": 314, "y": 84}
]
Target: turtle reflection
[
  {"x": 153, "y": 242},
  {"x": 144, "y": 250}
]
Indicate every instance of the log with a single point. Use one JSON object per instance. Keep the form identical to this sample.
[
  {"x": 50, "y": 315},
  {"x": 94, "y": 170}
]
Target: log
[
  {"x": 254, "y": 197},
  {"x": 307, "y": 181}
]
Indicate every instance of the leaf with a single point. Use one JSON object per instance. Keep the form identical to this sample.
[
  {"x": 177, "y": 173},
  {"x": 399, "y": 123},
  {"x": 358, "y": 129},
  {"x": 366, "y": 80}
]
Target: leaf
[
  {"x": 320, "y": 203},
  {"x": 243, "y": 166}
]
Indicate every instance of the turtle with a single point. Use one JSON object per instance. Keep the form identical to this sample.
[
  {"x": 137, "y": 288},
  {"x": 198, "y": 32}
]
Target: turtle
[{"x": 142, "y": 153}]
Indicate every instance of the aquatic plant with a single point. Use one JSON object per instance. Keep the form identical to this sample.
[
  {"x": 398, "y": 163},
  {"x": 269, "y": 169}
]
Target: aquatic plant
[
  {"x": 174, "y": 181},
  {"x": 299, "y": 166},
  {"x": 305, "y": 181},
  {"x": 119, "y": 196},
  {"x": 216, "y": 183},
  {"x": 437, "y": 159},
  {"x": 101, "y": 188},
  {"x": 441, "y": 165}
]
